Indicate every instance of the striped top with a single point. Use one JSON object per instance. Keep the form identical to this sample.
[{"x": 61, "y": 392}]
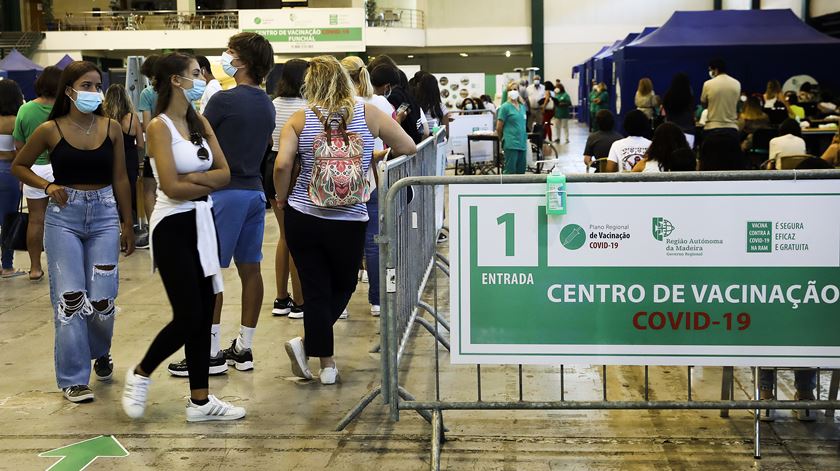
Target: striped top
[
  {"x": 284, "y": 109},
  {"x": 299, "y": 199}
]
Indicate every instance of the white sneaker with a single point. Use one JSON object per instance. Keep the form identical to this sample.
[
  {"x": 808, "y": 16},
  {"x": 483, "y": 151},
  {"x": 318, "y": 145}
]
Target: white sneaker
[
  {"x": 297, "y": 355},
  {"x": 344, "y": 314},
  {"x": 328, "y": 375},
  {"x": 215, "y": 409},
  {"x": 375, "y": 309},
  {"x": 134, "y": 394}
]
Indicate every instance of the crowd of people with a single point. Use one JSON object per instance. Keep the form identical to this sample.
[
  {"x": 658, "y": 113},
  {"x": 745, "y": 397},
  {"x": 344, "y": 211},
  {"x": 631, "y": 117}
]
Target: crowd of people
[
  {"x": 213, "y": 161},
  {"x": 729, "y": 129}
]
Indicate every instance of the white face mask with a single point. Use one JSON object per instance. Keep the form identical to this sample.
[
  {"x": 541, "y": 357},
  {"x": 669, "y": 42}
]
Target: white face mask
[
  {"x": 743, "y": 98},
  {"x": 536, "y": 82},
  {"x": 513, "y": 95},
  {"x": 711, "y": 74},
  {"x": 468, "y": 106}
]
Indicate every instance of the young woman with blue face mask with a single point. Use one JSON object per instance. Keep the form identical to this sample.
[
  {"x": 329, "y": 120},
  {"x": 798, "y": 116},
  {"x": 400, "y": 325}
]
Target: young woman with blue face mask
[
  {"x": 188, "y": 165},
  {"x": 82, "y": 235}
]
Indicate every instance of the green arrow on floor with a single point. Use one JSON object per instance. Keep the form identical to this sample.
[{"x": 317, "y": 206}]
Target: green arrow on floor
[{"x": 78, "y": 456}]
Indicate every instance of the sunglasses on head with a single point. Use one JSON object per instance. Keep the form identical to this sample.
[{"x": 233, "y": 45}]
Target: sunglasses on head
[{"x": 202, "y": 153}]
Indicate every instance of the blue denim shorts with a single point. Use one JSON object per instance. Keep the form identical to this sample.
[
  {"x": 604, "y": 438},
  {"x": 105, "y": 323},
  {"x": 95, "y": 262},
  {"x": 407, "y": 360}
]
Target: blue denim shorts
[{"x": 240, "y": 224}]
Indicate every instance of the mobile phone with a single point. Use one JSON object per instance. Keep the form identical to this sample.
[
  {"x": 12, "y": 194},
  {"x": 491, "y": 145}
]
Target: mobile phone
[{"x": 403, "y": 108}]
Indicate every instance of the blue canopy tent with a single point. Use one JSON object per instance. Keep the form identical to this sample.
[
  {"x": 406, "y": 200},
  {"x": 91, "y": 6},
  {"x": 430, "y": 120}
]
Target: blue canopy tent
[
  {"x": 576, "y": 73},
  {"x": 604, "y": 66},
  {"x": 587, "y": 74},
  {"x": 21, "y": 70},
  {"x": 757, "y": 45},
  {"x": 3, "y": 74},
  {"x": 645, "y": 32}
]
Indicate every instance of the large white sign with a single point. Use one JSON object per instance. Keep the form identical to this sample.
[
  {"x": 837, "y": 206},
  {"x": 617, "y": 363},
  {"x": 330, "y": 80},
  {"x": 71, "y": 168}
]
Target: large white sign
[
  {"x": 742, "y": 273},
  {"x": 303, "y": 30}
]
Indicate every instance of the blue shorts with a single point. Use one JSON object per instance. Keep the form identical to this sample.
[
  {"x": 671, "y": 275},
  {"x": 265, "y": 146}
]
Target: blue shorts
[{"x": 240, "y": 224}]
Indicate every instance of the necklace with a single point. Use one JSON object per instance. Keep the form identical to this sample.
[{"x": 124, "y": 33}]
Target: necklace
[{"x": 87, "y": 131}]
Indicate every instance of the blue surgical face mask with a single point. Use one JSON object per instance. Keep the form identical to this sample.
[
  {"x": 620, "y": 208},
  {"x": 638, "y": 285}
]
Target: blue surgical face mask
[
  {"x": 87, "y": 102},
  {"x": 197, "y": 90},
  {"x": 227, "y": 65}
]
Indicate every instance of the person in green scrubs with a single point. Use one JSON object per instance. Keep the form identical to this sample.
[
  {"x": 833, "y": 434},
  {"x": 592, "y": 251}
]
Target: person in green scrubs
[
  {"x": 562, "y": 112},
  {"x": 510, "y": 127}
]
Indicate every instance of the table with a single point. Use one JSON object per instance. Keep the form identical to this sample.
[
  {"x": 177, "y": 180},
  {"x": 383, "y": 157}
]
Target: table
[
  {"x": 817, "y": 140},
  {"x": 483, "y": 137}
]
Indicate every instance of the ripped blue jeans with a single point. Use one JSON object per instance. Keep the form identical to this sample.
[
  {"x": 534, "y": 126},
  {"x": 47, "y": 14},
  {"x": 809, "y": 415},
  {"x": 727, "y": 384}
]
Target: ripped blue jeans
[{"x": 82, "y": 241}]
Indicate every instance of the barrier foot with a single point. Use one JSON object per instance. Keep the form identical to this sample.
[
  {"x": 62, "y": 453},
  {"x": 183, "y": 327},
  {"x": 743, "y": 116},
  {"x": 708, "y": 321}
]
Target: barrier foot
[
  {"x": 426, "y": 307},
  {"x": 437, "y": 439},
  {"x": 832, "y": 391},
  {"x": 726, "y": 388},
  {"x": 358, "y": 408},
  {"x": 431, "y": 330},
  {"x": 406, "y": 396}
]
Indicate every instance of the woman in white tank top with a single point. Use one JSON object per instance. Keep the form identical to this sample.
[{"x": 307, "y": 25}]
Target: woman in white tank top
[{"x": 188, "y": 165}]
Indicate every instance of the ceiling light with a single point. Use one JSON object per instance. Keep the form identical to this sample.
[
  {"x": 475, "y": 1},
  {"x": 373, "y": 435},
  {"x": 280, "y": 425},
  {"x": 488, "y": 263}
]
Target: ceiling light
[
  {"x": 410, "y": 56},
  {"x": 464, "y": 54},
  {"x": 507, "y": 53}
]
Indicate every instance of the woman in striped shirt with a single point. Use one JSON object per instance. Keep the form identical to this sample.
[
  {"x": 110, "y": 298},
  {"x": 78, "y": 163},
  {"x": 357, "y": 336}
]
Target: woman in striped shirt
[{"x": 326, "y": 243}]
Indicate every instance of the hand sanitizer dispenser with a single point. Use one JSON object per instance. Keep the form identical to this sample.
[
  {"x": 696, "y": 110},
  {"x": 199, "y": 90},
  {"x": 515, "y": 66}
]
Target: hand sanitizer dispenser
[{"x": 555, "y": 192}]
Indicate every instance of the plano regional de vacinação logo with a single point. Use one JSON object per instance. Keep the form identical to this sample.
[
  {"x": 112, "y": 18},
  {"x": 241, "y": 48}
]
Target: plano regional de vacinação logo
[{"x": 662, "y": 228}]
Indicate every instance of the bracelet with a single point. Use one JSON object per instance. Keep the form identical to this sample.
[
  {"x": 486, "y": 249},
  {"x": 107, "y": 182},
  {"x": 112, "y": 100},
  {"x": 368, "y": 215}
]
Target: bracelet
[{"x": 47, "y": 188}]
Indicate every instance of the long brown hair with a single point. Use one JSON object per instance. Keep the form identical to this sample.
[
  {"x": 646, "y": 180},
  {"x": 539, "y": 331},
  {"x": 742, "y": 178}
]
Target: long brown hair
[
  {"x": 175, "y": 63},
  {"x": 117, "y": 103},
  {"x": 645, "y": 87},
  {"x": 69, "y": 75}
]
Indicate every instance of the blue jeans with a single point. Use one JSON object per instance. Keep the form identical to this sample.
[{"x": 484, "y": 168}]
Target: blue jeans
[
  {"x": 82, "y": 241},
  {"x": 9, "y": 201},
  {"x": 803, "y": 380},
  {"x": 372, "y": 248}
]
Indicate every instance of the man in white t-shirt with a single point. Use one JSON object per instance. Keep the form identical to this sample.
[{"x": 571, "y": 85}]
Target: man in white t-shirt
[
  {"x": 213, "y": 85},
  {"x": 789, "y": 142},
  {"x": 535, "y": 92},
  {"x": 626, "y": 153},
  {"x": 720, "y": 95}
]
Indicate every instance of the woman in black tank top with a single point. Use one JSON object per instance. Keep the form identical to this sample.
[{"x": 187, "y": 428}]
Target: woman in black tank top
[
  {"x": 118, "y": 106},
  {"x": 82, "y": 230}
]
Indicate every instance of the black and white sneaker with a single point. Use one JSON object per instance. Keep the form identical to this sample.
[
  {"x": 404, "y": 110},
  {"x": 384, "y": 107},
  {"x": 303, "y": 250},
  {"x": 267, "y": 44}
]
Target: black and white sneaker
[
  {"x": 78, "y": 393},
  {"x": 242, "y": 361},
  {"x": 282, "y": 307},
  {"x": 104, "y": 368},
  {"x": 442, "y": 237},
  {"x": 297, "y": 312},
  {"x": 141, "y": 241},
  {"x": 218, "y": 366}
]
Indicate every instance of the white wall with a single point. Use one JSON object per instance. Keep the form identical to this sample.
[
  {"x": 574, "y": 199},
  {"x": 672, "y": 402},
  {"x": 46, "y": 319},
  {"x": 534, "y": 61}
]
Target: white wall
[
  {"x": 795, "y": 5},
  {"x": 44, "y": 58},
  {"x": 575, "y": 30},
  {"x": 132, "y": 40},
  {"x": 824, "y": 7},
  {"x": 479, "y": 13}
]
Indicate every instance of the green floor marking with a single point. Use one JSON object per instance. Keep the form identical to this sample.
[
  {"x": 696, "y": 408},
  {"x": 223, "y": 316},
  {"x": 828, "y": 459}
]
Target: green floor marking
[{"x": 79, "y": 456}]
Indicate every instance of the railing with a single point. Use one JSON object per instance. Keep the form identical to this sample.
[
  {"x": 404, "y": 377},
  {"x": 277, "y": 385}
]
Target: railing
[
  {"x": 397, "y": 18},
  {"x": 148, "y": 20}
]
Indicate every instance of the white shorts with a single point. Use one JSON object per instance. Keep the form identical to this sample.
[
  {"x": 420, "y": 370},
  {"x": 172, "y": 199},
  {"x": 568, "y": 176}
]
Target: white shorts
[{"x": 43, "y": 171}]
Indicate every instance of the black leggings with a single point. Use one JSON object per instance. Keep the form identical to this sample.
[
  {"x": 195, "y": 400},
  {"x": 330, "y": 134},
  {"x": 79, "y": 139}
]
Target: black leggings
[
  {"x": 327, "y": 254},
  {"x": 191, "y": 294}
]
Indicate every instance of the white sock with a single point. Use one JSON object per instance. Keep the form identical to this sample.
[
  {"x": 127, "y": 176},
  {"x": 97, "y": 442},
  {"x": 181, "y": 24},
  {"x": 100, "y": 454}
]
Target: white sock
[
  {"x": 215, "y": 339},
  {"x": 246, "y": 338}
]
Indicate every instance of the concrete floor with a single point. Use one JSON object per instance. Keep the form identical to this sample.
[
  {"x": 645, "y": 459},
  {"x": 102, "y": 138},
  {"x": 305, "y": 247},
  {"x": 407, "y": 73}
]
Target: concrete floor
[{"x": 290, "y": 423}]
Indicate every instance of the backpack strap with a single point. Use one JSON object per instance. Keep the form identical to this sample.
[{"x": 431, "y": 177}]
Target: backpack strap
[{"x": 326, "y": 122}]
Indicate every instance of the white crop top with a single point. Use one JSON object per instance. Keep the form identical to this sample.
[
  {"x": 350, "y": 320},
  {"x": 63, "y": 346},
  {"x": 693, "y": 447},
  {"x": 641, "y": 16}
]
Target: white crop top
[
  {"x": 187, "y": 160},
  {"x": 7, "y": 143}
]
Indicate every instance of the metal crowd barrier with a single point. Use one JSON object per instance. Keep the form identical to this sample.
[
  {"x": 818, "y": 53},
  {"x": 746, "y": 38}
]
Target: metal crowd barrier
[
  {"x": 407, "y": 260},
  {"x": 403, "y": 283}
]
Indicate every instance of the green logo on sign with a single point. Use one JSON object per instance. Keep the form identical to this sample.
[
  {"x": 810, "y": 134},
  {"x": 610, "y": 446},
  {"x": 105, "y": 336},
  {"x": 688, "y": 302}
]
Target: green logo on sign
[
  {"x": 257, "y": 20},
  {"x": 333, "y": 19},
  {"x": 572, "y": 237},
  {"x": 662, "y": 228}
]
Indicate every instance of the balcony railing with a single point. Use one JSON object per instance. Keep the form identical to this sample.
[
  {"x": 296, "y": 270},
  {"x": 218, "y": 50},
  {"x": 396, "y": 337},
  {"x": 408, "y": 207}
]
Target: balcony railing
[
  {"x": 148, "y": 20},
  {"x": 397, "y": 18}
]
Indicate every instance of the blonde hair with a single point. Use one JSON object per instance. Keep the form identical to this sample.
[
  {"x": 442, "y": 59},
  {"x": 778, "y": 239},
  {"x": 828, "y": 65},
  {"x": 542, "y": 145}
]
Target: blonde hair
[
  {"x": 645, "y": 87},
  {"x": 329, "y": 86},
  {"x": 359, "y": 74}
]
